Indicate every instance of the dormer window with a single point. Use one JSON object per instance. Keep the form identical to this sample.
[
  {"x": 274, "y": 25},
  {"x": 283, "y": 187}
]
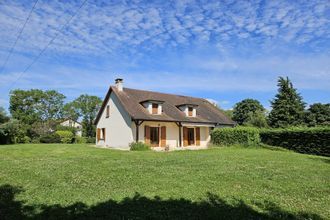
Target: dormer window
[
  {"x": 154, "y": 107},
  {"x": 188, "y": 109}
]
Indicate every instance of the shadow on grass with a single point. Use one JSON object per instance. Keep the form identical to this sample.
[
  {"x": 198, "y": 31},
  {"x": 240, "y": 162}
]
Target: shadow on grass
[{"x": 140, "y": 207}]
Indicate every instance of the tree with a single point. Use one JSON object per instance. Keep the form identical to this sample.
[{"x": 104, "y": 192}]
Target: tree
[
  {"x": 30, "y": 106},
  {"x": 70, "y": 110},
  {"x": 12, "y": 132},
  {"x": 3, "y": 116},
  {"x": 318, "y": 114},
  {"x": 256, "y": 119},
  {"x": 287, "y": 107},
  {"x": 88, "y": 107},
  {"x": 242, "y": 110}
]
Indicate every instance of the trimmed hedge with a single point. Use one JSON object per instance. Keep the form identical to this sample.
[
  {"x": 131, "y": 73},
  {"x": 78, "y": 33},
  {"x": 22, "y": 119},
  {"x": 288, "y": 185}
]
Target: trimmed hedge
[
  {"x": 246, "y": 136},
  {"x": 302, "y": 140}
]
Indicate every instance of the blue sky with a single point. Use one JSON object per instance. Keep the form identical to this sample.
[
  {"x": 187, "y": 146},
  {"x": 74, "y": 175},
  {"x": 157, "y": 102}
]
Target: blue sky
[{"x": 222, "y": 50}]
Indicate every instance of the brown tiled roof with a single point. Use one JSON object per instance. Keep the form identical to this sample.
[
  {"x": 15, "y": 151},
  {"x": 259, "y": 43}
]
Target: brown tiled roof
[{"x": 131, "y": 100}]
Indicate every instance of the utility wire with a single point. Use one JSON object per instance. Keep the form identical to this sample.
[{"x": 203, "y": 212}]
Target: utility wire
[
  {"x": 18, "y": 37},
  {"x": 49, "y": 43}
]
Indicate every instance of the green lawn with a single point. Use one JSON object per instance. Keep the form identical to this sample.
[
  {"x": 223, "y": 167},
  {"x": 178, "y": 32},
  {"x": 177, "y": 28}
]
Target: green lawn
[{"x": 81, "y": 181}]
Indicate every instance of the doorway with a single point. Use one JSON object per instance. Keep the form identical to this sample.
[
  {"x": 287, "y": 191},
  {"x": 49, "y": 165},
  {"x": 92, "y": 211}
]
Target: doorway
[
  {"x": 191, "y": 136},
  {"x": 154, "y": 136}
]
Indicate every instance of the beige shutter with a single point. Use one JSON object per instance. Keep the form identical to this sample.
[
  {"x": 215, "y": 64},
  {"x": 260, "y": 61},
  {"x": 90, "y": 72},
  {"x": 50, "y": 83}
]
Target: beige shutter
[
  {"x": 104, "y": 134},
  {"x": 147, "y": 134},
  {"x": 185, "y": 136},
  {"x": 198, "y": 136},
  {"x": 163, "y": 137}
]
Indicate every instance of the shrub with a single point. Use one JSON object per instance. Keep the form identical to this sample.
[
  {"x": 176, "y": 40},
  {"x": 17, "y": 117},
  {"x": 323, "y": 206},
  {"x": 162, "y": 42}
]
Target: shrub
[
  {"x": 138, "y": 146},
  {"x": 80, "y": 140},
  {"x": 91, "y": 140},
  {"x": 26, "y": 140},
  {"x": 49, "y": 138},
  {"x": 246, "y": 136},
  {"x": 304, "y": 140},
  {"x": 66, "y": 136}
]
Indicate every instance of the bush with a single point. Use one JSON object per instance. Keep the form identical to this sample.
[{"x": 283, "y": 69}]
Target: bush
[
  {"x": 80, "y": 140},
  {"x": 239, "y": 135},
  {"x": 26, "y": 140},
  {"x": 138, "y": 146},
  {"x": 66, "y": 136},
  {"x": 303, "y": 140},
  {"x": 91, "y": 140},
  {"x": 49, "y": 138}
]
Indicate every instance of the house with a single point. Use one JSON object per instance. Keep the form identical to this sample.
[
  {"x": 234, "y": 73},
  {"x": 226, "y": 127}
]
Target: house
[
  {"x": 72, "y": 123},
  {"x": 157, "y": 119}
]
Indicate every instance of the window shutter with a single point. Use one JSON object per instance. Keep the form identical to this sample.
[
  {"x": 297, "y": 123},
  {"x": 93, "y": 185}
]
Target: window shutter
[
  {"x": 146, "y": 134},
  {"x": 185, "y": 136},
  {"x": 163, "y": 137},
  {"x": 198, "y": 136},
  {"x": 154, "y": 108},
  {"x": 98, "y": 134},
  {"x": 104, "y": 134}
]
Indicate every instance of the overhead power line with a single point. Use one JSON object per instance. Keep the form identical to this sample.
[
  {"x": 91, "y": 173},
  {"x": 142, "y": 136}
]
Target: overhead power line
[
  {"x": 49, "y": 43},
  {"x": 18, "y": 37}
]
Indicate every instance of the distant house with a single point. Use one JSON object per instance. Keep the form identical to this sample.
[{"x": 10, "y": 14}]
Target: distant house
[
  {"x": 71, "y": 123},
  {"x": 157, "y": 119}
]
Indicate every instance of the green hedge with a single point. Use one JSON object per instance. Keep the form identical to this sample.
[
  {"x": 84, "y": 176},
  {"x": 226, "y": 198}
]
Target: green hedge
[
  {"x": 246, "y": 136},
  {"x": 302, "y": 140}
]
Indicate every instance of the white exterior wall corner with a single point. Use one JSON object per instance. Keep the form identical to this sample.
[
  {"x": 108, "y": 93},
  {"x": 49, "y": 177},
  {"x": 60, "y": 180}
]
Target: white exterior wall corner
[{"x": 118, "y": 128}]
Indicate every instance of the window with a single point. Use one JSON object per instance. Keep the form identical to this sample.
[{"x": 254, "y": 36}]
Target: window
[
  {"x": 154, "y": 108},
  {"x": 108, "y": 111},
  {"x": 190, "y": 111},
  {"x": 100, "y": 134}
]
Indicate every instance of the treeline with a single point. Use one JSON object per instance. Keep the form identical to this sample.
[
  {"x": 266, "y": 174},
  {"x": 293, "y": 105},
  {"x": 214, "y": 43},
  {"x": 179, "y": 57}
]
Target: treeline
[
  {"x": 288, "y": 110},
  {"x": 36, "y": 116}
]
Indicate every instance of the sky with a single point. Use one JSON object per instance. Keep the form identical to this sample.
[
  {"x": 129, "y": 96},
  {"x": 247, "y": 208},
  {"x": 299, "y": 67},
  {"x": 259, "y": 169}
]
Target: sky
[{"x": 224, "y": 51}]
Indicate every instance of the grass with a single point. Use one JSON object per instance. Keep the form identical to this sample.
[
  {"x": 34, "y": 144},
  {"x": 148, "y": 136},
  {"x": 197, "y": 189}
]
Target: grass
[{"x": 80, "y": 181}]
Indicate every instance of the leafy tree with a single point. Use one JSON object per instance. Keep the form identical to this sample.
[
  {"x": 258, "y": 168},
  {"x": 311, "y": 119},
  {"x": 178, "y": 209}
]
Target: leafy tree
[
  {"x": 287, "y": 107},
  {"x": 256, "y": 119},
  {"x": 318, "y": 114},
  {"x": 70, "y": 110},
  {"x": 242, "y": 110},
  {"x": 228, "y": 113},
  {"x": 3, "y": 116},
  {"x": 88, "y": 106},
  {"x": 12, "y": 132},
  {"x": 30, "y": 106}
]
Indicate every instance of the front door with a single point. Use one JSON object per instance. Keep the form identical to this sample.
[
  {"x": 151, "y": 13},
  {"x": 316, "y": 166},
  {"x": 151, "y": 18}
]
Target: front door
[
  {"x": 154, "y": 136},
  {"x": 191, "y": 136}
]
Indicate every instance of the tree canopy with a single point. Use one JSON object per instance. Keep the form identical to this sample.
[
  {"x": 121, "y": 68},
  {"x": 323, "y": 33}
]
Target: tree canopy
[
  {"x": 287, "y": 107},
  {"x": 318, "y": 114},
  {"x": 245, "y": 109}
]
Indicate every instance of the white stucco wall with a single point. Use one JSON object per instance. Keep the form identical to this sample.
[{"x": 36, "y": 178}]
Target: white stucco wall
[
  {"x": 172, "y": 133},
  {"x": 117, "y": 126}
]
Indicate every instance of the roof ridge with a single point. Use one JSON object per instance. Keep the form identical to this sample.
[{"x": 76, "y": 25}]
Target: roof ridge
[{"x": 163, "y": 93}]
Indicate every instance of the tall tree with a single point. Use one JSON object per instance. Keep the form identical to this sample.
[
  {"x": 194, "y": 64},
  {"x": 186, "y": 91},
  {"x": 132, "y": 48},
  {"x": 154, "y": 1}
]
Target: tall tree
[
  {"x": 287, "y": 107},
  {"x": 318, "y": 114},
  {"x": 30, "y": 106},
  {"x": 88, "y": 106},
  {"x": 244, "y": 109}
]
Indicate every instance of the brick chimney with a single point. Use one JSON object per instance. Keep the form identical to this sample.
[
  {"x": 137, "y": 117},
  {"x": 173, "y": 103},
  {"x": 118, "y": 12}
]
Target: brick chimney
[{"x": 119, "y": 84}]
